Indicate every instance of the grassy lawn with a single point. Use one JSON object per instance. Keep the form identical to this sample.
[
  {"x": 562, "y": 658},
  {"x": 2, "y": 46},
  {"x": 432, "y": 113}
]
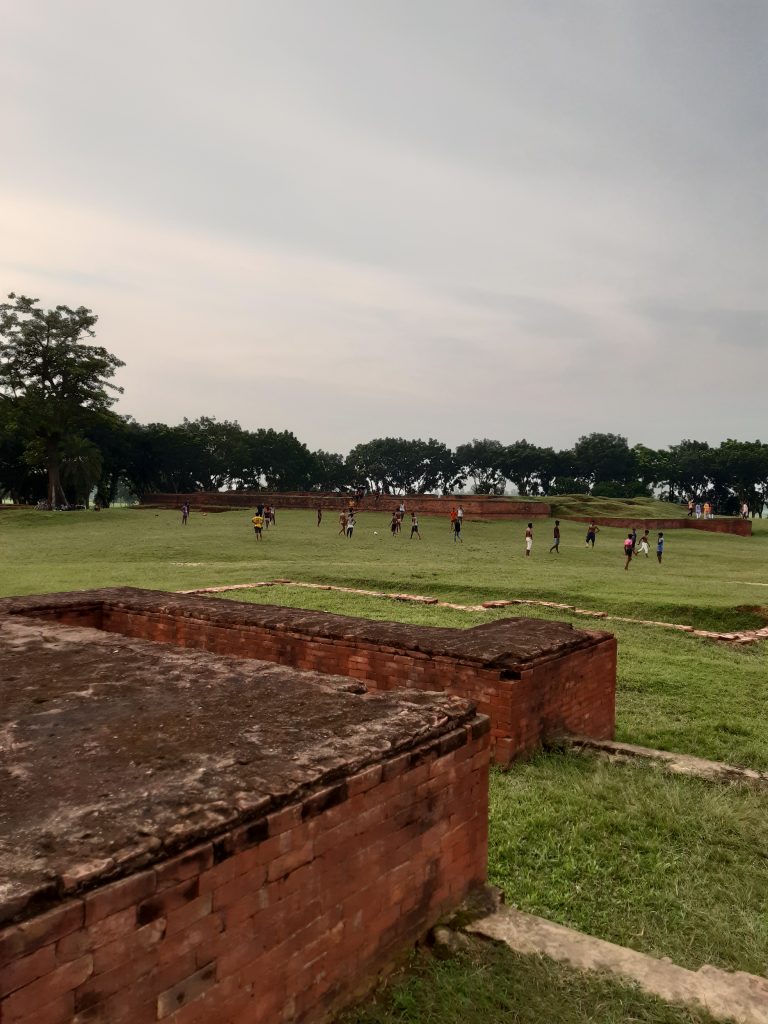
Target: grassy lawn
[
  {"x": 707, "y": 579},
  {"x": 489, "y": 984},
  {"x": 668, "y": 865}
]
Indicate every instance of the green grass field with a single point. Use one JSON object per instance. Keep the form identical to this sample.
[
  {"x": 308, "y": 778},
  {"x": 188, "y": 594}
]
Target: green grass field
[
  {"x": 671, "y": 866},
  {"x": 491, "y": 985}
]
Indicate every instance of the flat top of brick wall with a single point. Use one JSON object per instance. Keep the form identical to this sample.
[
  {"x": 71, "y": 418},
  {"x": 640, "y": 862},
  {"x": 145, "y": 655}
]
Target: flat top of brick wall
[
  {"x": 120, "y": 751},
  {"x": 509, "y": 644}
]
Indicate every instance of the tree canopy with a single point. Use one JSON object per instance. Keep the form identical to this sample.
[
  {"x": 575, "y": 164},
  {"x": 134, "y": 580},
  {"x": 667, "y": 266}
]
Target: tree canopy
[{"x": 53, "y": 386}]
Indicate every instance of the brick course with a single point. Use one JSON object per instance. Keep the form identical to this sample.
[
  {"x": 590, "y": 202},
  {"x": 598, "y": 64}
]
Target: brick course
[
  {"x": 482, "y": 508},
  {"x": 553, "y": 682},
  {"x": 282, "y": 928}
]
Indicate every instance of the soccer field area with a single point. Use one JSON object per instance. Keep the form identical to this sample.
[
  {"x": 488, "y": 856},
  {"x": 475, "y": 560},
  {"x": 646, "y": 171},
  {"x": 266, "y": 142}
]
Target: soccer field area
[{"x": 672, "y": 866}]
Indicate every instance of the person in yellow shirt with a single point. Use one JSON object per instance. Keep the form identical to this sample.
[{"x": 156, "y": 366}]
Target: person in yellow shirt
[{"x": 258, "y": 525}]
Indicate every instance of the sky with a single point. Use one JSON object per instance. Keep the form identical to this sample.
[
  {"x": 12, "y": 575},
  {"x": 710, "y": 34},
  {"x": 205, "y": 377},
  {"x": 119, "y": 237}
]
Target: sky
[{"x": 524, "y": 218}]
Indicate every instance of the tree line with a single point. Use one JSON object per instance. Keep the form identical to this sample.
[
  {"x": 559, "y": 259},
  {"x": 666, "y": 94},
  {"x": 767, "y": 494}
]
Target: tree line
[{"x": 61, "y": 441}]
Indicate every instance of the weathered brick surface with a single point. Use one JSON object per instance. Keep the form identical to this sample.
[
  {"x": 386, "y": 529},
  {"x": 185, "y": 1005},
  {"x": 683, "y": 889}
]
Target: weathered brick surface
[
  {"x": 290, "y": 921},
  {"x": 728, "y": 524},
  {"x": 476, "y": 506}
]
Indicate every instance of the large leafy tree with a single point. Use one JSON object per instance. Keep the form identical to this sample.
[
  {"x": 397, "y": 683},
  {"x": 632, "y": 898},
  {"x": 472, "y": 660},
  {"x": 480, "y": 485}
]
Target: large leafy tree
[{"x": 53, "y": 383}]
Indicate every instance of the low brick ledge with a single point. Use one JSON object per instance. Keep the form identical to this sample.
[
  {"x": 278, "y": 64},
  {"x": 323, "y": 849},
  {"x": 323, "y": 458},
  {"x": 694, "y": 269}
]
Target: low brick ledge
[
  {"x": 678, "y": 764},
  {"x": 727, "y": 995},
  {"x": 200, "y": 847}
]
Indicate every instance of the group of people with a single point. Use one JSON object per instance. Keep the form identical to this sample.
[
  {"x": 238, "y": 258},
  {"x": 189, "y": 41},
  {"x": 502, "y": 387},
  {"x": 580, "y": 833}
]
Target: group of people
[
  {"x": 695, "y": 508},
  {"x": 265, "y": 514},
  {"x": 631, "y": 546}
]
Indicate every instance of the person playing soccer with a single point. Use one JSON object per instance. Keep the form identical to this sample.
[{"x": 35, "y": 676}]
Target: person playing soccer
[
  {"x": 457, "y": 530},
  {"x": 415, "y": 526},
  {"x": 628, "y": 550},
  {"x": 556, "y": 538},
  {"x": 258, "y": 524},
  {"x": 528, "y": 540},
  {"x": 592, "y": 530},
  {"x": 395, "y": 524},
  {"x": 660, "y": 548},
  {"x": 645, "y": 544}
]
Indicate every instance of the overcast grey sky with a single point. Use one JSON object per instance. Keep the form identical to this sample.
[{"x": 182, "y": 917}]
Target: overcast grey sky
[{"x": 424, "y": 218}]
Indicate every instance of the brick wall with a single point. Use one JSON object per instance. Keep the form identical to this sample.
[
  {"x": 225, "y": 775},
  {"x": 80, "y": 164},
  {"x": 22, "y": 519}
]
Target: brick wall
[
  {"x": 734, "y": 525},
  {"x": 285, "y": 918},
  {"x": 476, "y": 507},
  {"x": 568, "y": 691}
]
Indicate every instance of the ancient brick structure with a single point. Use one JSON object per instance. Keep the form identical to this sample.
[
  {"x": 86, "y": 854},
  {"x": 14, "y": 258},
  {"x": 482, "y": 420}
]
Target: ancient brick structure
[
  {"x": 195, "y": 839},
  {"x": 537, "y": 680},
  {"x": 482, "y": 508},
  {"x": 732, "y": 524}
]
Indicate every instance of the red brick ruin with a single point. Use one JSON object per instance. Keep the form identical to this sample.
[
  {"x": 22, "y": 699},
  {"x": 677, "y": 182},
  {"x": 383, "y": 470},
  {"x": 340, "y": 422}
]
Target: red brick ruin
[
  {"x": 479, "y": 507},
  {"x": 228, "y": 812}
]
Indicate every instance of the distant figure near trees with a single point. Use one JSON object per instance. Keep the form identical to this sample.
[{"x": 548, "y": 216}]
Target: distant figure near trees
[{"x": 184, "y": 513}]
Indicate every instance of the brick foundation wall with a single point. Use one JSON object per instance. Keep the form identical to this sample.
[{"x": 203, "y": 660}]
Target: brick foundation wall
[
  {"x": 567, "y": 692},
  {"x": 286, "y": 918},
  {"x": 476, "y": 507},
  {"x": 734, "y": 525}
]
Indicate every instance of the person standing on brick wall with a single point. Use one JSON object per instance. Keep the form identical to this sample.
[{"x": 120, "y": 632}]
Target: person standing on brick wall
[
  {"x": 660, "y": 547},
  {"x": 628, "y": 551},
  {"x": 415, "y": 526},
  {"x": 556, "y": 537},
  {"x": 528, "y": 540}
]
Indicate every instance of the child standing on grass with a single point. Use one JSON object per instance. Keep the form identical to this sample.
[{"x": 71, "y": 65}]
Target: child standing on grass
[
  {"x": 415, "y": 526},
  {"x": 184, "y": 513},
  {"x": 394, "y": 524},
  {"x": 628, "y": 550},
  {"x": 660, "y": 547},
  {"x": 556, "y": 538},
  {"x": 258, "y": 524},
  {"x": 645, "y": 544},
  {"x": 350, "y": 525},
  {"x": 528, "y": 540},
  {"x": 457, "y": 530},
  {"x": 342, "y": 522},
  {"x": 592, "y": 530}
]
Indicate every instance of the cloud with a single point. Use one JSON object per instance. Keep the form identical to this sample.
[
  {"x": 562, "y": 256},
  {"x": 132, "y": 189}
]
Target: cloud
[{"x": 528, "y": 218}]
